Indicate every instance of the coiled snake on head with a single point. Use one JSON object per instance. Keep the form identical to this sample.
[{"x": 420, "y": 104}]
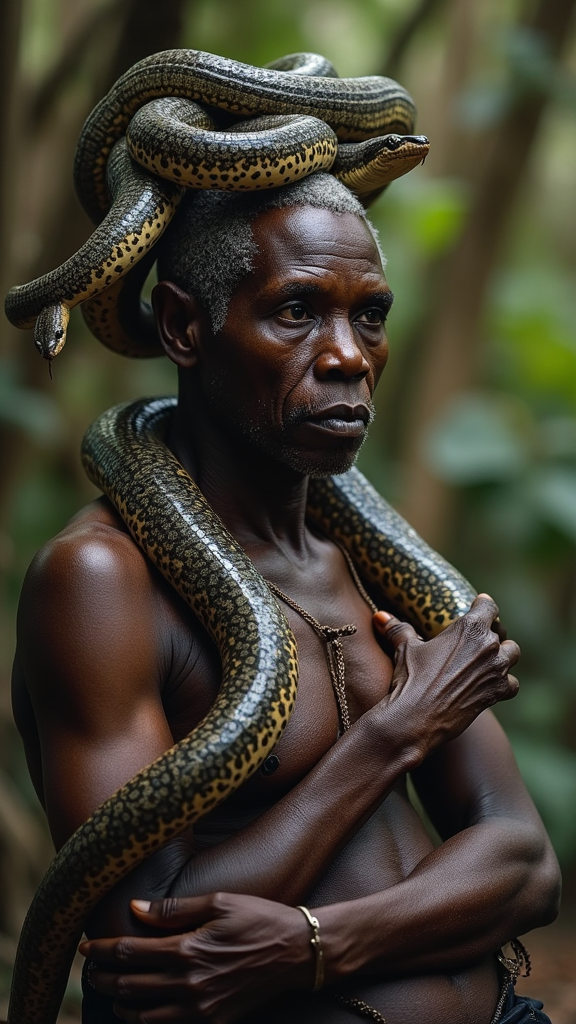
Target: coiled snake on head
[
  {"x": 125, "y": 455},
  {"x": 152, "y": 110}
]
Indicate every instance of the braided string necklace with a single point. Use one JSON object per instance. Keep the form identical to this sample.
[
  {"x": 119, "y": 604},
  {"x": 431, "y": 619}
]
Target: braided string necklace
[{"x": 332, "y": 637}]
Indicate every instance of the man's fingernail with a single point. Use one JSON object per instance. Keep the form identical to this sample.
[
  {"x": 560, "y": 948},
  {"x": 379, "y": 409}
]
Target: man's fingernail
[
  {"x": 142, "y": 905},
  {"x": 384, "y": 617}
]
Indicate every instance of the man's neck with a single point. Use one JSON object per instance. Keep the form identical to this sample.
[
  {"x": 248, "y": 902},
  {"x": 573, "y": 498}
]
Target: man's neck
[{"x": 261, "y": 501}]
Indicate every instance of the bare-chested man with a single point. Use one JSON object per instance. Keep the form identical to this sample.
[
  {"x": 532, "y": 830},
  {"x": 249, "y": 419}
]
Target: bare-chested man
[{"x": 280, "y": 340}]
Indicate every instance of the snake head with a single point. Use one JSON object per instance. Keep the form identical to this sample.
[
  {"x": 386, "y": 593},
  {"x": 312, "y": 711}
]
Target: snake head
[{"x": 50, "y": 330}]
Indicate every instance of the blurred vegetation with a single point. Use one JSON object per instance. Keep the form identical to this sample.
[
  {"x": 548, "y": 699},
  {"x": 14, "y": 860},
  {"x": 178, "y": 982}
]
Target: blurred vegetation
[{"x": 475, "y": 440}]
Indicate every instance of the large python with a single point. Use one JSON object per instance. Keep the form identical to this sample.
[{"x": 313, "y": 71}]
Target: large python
[
  {"x": 307, "y": 119},
  {"x": 125, "y": 455}
]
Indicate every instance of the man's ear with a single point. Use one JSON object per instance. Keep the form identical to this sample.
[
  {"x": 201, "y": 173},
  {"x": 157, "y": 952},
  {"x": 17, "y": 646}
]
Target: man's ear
[{"x": 178, "y": 317}]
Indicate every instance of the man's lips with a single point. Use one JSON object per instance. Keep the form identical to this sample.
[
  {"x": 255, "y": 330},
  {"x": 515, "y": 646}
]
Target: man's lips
[{"x": 343, "y": 419}]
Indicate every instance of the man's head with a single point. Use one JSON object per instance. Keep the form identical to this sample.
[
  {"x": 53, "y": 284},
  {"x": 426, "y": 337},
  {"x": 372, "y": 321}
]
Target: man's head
[
  {"x": 210, "y": 245},
  {"x": 289, "y": 375}
]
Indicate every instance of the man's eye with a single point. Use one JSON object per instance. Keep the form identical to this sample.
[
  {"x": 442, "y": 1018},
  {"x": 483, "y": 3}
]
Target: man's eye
[
  {"x": 294, "y": 312},
  {"x": 372, "y": 316}
]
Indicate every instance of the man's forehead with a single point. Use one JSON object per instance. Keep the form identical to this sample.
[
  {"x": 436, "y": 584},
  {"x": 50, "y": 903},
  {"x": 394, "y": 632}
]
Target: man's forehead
[{"x": 304, "y": 237}]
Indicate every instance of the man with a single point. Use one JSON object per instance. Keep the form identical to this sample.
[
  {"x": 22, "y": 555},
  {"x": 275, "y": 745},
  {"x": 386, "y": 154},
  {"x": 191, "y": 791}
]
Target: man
[{"x": 273, "y": 309}]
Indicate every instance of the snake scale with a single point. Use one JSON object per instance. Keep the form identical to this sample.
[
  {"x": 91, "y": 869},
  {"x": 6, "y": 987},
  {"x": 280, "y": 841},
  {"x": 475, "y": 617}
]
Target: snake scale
[{"x": 120, "y": 182}]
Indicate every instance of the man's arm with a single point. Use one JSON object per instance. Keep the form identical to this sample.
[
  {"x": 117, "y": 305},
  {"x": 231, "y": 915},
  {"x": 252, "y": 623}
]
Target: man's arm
[
  {"x": 94, "y": 675},
  {"x": 494, "y": 879}
]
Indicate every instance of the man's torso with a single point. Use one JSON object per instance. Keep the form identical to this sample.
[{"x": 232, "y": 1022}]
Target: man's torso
[{"x": 386, "y": 848}]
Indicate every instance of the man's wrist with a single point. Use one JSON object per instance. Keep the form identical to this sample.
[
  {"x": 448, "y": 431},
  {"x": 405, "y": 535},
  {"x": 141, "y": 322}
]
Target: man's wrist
[
  {"x": 316, "y": 944},
  {"x": 387, "y": 736},
  {"x": 340, "y": 945}
]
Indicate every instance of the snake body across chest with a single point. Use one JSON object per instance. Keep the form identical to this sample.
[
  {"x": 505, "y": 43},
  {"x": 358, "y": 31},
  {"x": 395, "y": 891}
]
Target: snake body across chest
[{"x": 168, "y": 517}]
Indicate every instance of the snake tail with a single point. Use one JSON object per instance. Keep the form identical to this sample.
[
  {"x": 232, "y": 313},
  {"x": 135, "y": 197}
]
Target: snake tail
[{"x": 170, "y": 519}]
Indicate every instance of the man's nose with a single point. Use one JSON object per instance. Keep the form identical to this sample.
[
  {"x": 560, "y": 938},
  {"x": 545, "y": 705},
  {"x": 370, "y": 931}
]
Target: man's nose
[{"x": 341, "y": 357}]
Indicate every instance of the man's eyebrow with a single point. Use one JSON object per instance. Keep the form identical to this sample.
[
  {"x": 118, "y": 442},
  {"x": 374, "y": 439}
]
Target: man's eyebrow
[
  {"x": 295, "y": 289},
  {"x": 384, "y": 299},
  {"x": 291, "y": 288}
]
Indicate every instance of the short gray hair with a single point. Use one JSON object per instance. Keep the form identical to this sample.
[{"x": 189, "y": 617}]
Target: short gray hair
[{"x": 209, "y": 246}]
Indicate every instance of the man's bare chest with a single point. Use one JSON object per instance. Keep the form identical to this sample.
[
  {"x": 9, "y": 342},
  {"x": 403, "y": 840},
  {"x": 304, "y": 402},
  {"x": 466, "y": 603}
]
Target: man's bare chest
[{"x": 195, "y": 678}]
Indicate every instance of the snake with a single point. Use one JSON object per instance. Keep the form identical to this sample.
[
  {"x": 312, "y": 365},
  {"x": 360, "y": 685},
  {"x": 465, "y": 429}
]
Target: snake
[
  {"x": 189, "y": 119},
  {"x": 125, "y": 455}
]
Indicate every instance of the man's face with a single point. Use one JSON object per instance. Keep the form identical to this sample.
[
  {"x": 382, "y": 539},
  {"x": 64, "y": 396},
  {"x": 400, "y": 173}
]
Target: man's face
[{"x": 292, "y": 373}]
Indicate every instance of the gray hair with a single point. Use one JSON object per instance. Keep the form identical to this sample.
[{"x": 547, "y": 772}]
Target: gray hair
[{"x": 209, "y": 246}]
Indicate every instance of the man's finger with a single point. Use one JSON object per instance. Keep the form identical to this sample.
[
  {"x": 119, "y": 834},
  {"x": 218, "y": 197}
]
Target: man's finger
[
  {"x": 160, "y": 1015},
  {"x": 393, "y": 629},
  {"x": 513, "y": 687},
  {"x": 512, "y": 651},
  {"x": 484, "y": 608},
  {"x": 138, "y": 988},
  {"x": 187, "y": 912},
  {"x": 131, "y": 951}
]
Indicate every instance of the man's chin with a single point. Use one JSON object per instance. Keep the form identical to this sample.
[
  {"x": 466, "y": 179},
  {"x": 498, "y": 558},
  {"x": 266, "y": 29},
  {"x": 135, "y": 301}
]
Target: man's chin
[{"x": 319, "y": 465}]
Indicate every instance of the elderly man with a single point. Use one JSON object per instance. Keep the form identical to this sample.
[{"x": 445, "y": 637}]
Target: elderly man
[{"x": 274, "y": 311}]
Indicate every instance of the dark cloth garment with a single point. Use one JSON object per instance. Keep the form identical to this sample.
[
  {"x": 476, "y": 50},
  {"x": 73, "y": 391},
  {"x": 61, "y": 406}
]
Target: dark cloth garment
[{"x": 519, "y": 1009}]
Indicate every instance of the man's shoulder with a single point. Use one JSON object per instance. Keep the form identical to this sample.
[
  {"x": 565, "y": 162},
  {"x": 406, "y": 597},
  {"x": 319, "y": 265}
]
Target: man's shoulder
[
  {"x": 89, "y": 581},
  {"x": 91, "y": 597},
  {"x": 92, "y": 554}
]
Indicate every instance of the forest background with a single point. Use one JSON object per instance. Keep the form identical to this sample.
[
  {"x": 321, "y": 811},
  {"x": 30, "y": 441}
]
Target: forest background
[{"x": 475, "y": 438}]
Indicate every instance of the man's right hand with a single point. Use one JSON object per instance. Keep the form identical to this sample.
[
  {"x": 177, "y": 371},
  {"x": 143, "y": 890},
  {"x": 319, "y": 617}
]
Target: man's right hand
[{"x": 440, "y": 686}]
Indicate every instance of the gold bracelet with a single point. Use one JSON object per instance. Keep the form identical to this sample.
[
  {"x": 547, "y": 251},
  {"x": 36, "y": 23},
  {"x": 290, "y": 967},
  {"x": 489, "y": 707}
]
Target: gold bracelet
[{"x": 316, "y": 946}]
